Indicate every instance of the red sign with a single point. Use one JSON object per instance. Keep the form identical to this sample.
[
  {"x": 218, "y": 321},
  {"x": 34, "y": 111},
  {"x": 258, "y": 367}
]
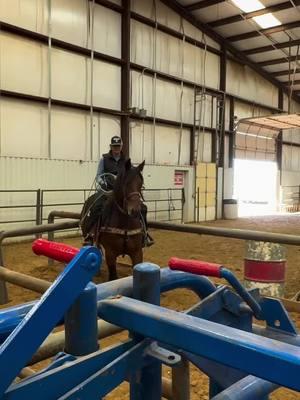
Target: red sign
[{"x": 179, "y": 178}]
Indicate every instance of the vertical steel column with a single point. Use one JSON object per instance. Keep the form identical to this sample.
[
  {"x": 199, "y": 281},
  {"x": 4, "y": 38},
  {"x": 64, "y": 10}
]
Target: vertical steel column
[
  {"x": 279, "y": 138},
  {"x": 221, "y": 118},
  {"x": 146, "y": 383},
  {"x": 223, "y": 68},
  {"x": 220, "y": 159},
  {"x": 81, "y": 330},
  {"x": 125, "y": 75},
  {"x": 232, "y": 132}
]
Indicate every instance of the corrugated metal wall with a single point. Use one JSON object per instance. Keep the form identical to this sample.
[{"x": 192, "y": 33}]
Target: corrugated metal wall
[{"x": 42, "y": 145}]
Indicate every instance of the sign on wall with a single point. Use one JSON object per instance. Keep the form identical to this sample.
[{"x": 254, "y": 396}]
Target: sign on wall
[{"x": 179, "y": 178}]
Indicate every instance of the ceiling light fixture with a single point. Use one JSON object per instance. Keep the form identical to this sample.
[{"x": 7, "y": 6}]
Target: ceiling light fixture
[
  {"x": 248, "y": 5},
  {"x": 266, "y": 21}
]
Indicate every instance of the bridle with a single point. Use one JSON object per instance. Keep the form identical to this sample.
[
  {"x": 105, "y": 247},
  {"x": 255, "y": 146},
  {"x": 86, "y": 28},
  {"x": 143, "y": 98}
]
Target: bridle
[{"x": 137, "y": 194}]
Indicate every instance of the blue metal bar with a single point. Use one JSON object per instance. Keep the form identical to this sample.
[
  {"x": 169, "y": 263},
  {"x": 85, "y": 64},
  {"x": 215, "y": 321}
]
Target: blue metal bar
[
  {"x": 145, "y": 384},
  {"x": 248, "y": 388},
  {"x": 19, "y": 347},
  {"x": 277, "y": 335},
  {"x": 81, "y": 331},
  {"x": 239, "y": 288},
  {"x": 202, "y": 286},
  {"x": 266, "y": 358},
  {"x": 109, "y": 377},
  {"x": 56, "y": 382}
]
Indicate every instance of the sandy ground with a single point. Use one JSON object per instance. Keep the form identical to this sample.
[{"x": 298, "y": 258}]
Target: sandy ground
[{"x": 229, "y": 252}]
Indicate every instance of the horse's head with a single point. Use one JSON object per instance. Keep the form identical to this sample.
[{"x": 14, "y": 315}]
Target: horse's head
[{"x": 128, "y": 188}]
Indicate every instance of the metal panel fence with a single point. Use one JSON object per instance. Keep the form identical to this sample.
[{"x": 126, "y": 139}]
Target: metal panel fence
[{"x": 19, "y": 208}]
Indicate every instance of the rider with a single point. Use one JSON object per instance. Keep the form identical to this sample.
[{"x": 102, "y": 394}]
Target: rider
[{"x": 112, "y": 162}]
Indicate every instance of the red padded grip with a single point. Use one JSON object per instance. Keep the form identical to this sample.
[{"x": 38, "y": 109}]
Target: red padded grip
[
  {"x": 57, "y": 251},
  {"x": 195, "y": 267}
]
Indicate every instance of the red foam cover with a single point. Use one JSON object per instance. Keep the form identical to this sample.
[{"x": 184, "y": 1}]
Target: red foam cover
[
  {"x": 57, "y": 251},
  {"x": 195, "y": 267}
]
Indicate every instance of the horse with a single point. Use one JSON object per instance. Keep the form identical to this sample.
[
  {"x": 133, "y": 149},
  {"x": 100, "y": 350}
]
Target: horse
[{"x": 118, "y": 227}]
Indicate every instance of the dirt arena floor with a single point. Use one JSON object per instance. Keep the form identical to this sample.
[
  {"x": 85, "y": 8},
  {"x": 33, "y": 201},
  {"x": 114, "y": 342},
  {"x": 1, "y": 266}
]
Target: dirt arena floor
[{"x": 229, "y": 252}]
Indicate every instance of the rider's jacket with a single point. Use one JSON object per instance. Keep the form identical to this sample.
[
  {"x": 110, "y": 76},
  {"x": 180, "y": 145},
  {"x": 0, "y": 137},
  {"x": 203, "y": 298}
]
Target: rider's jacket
[{"x": 111, "y": 165}]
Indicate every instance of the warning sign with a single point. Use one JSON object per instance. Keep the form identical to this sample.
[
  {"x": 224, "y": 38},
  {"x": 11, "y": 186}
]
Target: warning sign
[{"x": 179, "y": 178}]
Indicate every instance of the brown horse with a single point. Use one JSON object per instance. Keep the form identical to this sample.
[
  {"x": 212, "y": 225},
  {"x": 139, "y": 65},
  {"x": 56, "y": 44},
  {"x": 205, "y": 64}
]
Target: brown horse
[{"x": 118, "y": 228}]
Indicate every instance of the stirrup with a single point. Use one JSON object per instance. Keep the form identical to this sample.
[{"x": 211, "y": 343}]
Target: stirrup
[
  {"x": 88, "y": 241},
  {"x": 148, "y": 241}
]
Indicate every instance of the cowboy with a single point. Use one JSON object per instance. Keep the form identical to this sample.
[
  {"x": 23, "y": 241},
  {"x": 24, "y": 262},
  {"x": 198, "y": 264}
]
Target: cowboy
[{"x": 112, "y": 163}]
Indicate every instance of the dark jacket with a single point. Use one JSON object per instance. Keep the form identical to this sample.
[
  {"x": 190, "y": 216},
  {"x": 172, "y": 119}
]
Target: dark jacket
[{"x": 108, "y": 164}]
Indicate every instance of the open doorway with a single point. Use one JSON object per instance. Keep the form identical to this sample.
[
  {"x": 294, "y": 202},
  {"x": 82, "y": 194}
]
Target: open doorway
[{"x": 255, "y": 187}]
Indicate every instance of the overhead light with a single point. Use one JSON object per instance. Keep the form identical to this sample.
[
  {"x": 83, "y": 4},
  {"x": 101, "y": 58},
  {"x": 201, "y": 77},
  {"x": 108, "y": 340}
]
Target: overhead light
[
  {"x": 248, "y": 5},
  {"x": 266, "y": 21}
]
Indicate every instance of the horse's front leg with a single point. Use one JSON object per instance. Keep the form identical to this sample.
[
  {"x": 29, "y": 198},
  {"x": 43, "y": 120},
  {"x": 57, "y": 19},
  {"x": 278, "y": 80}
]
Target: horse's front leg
[
  {"x": 137, "y": 257},
  {"x": 111, "y": 261}
]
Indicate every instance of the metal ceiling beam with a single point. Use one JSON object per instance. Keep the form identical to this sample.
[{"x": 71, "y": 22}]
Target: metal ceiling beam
[
  {"x": 203, "y": 4},
  {"x": 296, "y": 82},
  {"x": 240, "y": 17},
  {"x": 267, "y": 31},
  {"x": 285, "y": 72},
  {"x": 263, "y": 49},
  {"x": 278, "y": 61},
  {"x": 178, "y": 8}
]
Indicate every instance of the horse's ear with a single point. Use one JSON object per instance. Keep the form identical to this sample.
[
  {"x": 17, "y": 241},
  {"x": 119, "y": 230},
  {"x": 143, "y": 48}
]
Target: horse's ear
[
  {"x": 141, "y": 166},
  {"x": 128, "y": 164}
]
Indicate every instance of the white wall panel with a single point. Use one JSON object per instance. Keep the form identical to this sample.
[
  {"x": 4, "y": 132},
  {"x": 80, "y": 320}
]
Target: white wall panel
[
  {"x": 163, "y": 140},
  {"x": 243, "y": 110},
  {"x": 23, "y": 65},
  {"x": 107, "y": 31},
  {"x": 162, "y": 52},
  {"x": 207, "y": 69},
  {"x": 206, "y": 111},
  {"x": 106, "y": 85},
  {"x": 104, "y": 127},
  {"x": 141, "y": 44},
  {"x": 166, "y": 16},
  {"x": 46, "y": 174},
  {"x": 192, "y": 31},
  {"x": 169, "y": 54},
  {"x": 142, "y": 91},
  {"x": 167, "y": 146},
  {"x": 69, "y": 134},
  {"x": 141, "y": 142},
  {"x": 290, "y": 178},
  {"x": 204, "y": 146},
  {"x": 69, "y": 21},
  {"x": 292, "y": 135},
  {"x": 244, "y": 82},
  {"x": 227, "y": 114},
  {"x": 23, "y": 129},
  {"x": 28, "y": 14},
  {"x": 290, "y": 158},
  {"x": 170, "y": 100},
  {"x": 69, "y": 72}
]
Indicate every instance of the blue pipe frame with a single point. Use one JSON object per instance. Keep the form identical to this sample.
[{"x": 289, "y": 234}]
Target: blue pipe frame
[
  {"x": 178, "y": 330},
  {"x": 169, "y": 280}
]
